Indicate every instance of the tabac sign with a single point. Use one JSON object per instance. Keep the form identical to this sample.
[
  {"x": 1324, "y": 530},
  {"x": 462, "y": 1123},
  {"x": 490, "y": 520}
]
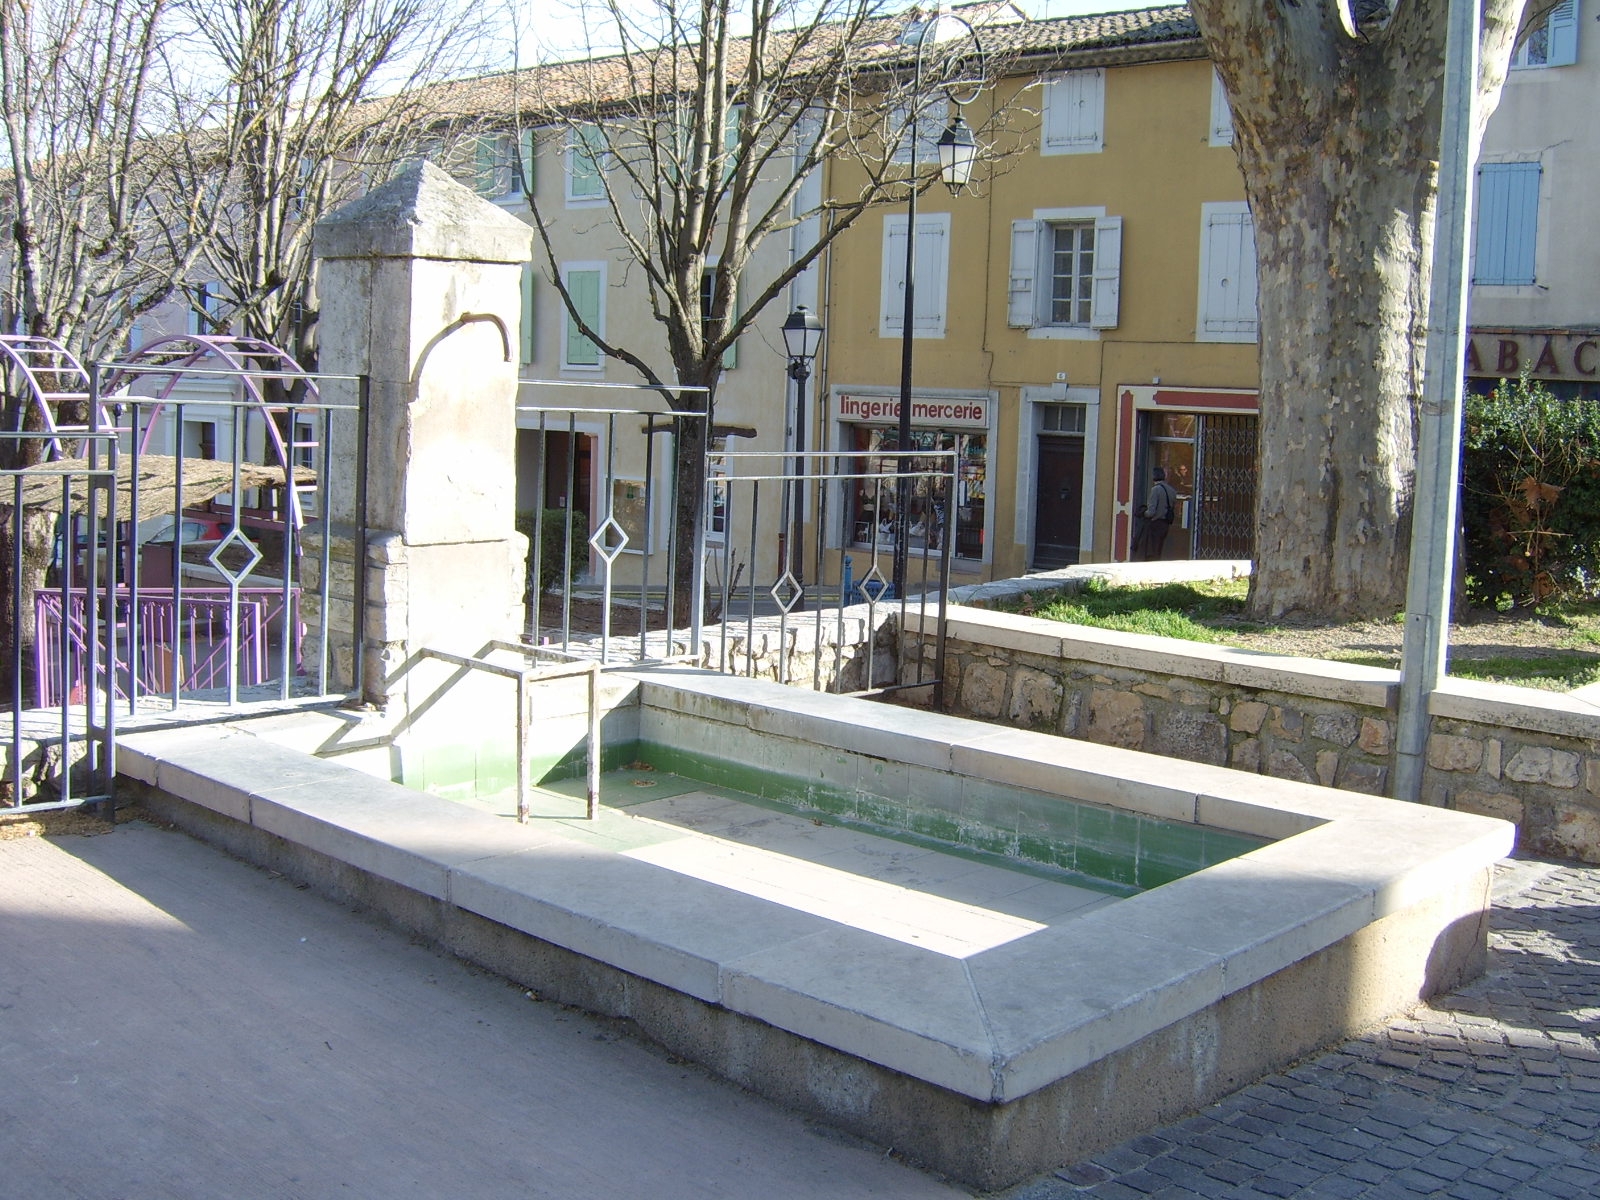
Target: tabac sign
[
  {"x": 943, "y": 412},
  {"x": 1552, "y": 354}
]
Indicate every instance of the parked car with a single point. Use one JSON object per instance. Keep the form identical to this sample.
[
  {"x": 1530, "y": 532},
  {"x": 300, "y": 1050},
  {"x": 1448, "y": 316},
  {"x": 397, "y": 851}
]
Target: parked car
[{"x": 193, "y": 529}]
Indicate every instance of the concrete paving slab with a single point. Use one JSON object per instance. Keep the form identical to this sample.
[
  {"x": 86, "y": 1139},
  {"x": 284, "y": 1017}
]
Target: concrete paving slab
[{"x": 175, "y": 1024}]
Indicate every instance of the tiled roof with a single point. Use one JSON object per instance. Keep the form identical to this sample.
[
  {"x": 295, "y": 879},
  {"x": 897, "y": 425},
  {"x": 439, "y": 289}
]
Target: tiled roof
[{"x": 620, "y": 78}]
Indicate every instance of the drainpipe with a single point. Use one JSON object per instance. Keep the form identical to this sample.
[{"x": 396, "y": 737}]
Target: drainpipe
[{"x": 1433, "y": 521}]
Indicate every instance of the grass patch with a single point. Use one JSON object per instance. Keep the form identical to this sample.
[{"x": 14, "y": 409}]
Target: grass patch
[
  {"x": 1175, "y": 610},
  {"x": 1556, "y": 670}
]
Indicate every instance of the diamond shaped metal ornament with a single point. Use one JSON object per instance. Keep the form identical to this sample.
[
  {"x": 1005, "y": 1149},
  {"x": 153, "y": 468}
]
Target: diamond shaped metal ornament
[
  {"x": 787, "y": 592},
  {"x": 601, "y": 539},
  {"x": 235, "y": 536},
  {"x": 873, "y": 585}
]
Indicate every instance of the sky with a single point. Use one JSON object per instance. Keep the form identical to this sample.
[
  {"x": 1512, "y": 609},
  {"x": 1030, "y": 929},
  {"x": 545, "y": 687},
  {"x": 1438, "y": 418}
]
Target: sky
[{"x": 557, "y": 29}]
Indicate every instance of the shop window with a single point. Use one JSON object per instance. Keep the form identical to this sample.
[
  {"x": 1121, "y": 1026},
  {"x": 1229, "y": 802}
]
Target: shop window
[{"x": 871, "y": 502}]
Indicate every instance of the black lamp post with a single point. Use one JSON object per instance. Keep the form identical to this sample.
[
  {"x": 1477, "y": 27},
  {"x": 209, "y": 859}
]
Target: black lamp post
[
  {"x": 802, "y": 338},
  {"x": 957, "y": 153}
]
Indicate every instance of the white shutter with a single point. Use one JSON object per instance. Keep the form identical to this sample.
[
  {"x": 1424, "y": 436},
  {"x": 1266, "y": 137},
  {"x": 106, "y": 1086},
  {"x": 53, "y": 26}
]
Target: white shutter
[
  {"x": 1022, "y": 306},
  {"x": 1227, "y": 274},
  {"x": 1107, "y": 295},
  {"x": 1563, "y": 35},
  {"x": 932, "y": 275},
  {"x": 1221, "y": 113},
  {"x": 1074, "y": 113}
]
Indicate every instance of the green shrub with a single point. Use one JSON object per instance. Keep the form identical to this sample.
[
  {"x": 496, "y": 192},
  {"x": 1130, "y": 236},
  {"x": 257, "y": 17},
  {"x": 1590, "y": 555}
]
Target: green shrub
[
  {"x": 549, "y": 560},
  {"x": 1530, "y": 496}
]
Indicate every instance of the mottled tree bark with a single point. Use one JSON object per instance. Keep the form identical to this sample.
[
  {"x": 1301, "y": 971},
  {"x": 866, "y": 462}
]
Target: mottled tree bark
[{"x": 1336, "y": 125}]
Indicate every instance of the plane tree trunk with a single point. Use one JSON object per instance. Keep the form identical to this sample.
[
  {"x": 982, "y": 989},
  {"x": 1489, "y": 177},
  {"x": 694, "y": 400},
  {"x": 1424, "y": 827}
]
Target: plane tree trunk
[{"x": 1336, "y": 126}]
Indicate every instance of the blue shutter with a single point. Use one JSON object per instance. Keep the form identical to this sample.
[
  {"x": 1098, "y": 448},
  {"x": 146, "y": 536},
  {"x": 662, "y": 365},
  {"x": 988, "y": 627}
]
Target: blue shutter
[
  {"x": 1563, "y": 26},
  {"x": 1508, "y": 223}
]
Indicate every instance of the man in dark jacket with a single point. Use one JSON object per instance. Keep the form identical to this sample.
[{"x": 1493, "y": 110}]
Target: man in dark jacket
[{"x": 1157, "y": 515}]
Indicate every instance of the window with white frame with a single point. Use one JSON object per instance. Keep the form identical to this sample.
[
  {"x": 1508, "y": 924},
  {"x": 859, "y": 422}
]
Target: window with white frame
[
  {"x": 1074, "y": 115},
  {"x": 1221, "y": 113},
  {"x": 1066, "y": 272},
  {"x": 708, "y": 299},
  {"x": 205, "y": 309},
  {"x": 1227, "y": 305},
  {"x": 502, "y": 164},
  {"x": 930, "y": 283},
  {"x": 1505, "y": 241},
  {"x": 1552, "y": 43},
  {"x": 929, "y": 130},
  {"x": 585, "y": 156},
  {"x": 586, "y": 284}
]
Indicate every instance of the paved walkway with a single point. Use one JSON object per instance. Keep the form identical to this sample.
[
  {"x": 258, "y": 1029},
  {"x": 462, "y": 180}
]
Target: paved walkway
[
  {"x": 175, "y": 1024},
  {"x": 1492, "y": 1093}
]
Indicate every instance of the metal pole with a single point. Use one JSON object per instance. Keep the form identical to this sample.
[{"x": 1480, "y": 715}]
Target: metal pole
[
  {"x": 903, "y": 436},
  {"x": 1433, "y": 523},
  {"x": 592, "y": 790},
  {"x": 799, "y": 371}
]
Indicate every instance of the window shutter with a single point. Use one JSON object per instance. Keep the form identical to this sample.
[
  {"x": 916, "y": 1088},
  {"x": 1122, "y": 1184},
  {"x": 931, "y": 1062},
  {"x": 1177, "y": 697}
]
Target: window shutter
[
  {"x": 1563, "y": 28},
  {"x": 1508, "y": 223},
  {"x": 933, "y": 258},
  {"x": 1228, "y": 277},
  {"x": 891, "y": 303},
  {"x": 1221, "y": 113},
  {"x": 584, "y": 288},
  {"x": 1022, "y": 307},
  {"x": 584, "y": 154},
  {"x": 528, "y": 149},
  {"x": 1074, "y": 112},
  {"x": 486, "y": 166},
  {"x": 527, "y": 339},
  {"x": 1107, "y": 294}
]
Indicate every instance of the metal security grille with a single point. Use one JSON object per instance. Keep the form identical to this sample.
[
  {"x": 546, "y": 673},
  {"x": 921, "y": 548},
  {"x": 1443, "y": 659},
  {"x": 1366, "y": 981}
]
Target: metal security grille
[{"x": 1226, "y": 487}]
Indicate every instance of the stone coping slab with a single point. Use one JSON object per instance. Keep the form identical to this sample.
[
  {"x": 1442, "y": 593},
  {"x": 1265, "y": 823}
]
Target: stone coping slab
[
  {"x": 1375, "y": 687},
  {"x": 993, "y": 1026}
]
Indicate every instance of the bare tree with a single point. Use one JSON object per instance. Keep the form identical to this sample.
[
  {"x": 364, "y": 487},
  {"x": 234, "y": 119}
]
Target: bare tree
[
  {"x": 88, "y": 114},
  {"x": 319, "y": 99},
  {"x": 1336, "y": 111},
  {"x": 702, "y": 132}
]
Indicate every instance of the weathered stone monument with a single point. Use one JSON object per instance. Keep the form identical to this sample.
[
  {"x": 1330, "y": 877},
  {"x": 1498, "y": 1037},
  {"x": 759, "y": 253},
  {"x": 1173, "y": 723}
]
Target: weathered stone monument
[{"x": 420, "y": 283}]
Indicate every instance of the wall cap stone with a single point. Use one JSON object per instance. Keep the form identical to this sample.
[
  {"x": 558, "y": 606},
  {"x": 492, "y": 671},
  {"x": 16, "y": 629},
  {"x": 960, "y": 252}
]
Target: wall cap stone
[{"x": 423, "y": 213}]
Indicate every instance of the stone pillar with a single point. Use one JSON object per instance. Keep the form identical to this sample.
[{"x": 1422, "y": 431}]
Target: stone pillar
[{"x": 420, "y": 282}]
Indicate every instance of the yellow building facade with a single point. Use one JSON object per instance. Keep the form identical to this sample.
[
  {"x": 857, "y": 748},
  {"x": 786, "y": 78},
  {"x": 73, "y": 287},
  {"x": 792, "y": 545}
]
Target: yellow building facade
[{"x": 1084, "y": 313}]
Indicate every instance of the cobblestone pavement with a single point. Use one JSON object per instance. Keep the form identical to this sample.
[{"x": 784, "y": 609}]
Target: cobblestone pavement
[{"x": 1491, "y": 1092}]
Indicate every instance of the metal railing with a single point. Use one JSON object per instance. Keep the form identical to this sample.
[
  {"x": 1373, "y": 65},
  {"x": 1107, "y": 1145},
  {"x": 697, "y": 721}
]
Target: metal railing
[{"x": 62, "y": 753}]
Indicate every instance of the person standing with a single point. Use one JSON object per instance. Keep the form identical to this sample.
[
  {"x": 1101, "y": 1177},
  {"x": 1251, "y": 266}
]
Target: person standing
[{"x": 1158, "y": 513}]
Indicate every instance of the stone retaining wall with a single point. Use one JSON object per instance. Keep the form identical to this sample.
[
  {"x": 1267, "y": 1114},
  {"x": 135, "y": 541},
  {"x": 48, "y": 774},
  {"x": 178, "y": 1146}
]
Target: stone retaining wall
[{"x": 1530, "y": 757}]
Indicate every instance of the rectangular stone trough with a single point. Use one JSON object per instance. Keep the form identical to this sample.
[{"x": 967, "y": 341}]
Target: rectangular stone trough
[{"x": 1329, "y": 912}]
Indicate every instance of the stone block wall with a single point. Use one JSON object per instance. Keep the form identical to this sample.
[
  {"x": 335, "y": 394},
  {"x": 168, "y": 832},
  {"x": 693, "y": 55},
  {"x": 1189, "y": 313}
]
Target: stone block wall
[{"x": 1529, "y": 757}]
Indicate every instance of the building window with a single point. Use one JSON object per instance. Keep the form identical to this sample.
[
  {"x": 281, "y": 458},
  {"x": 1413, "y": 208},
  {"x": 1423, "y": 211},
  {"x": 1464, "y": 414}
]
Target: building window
[
  {"x": 205, "y": 310},
  {"x": 708, "y": 298},
  {"x": 1504, "y": 244},
  {"x": 1221, "y": 113},
  {"x": 1553, "y": 43},
  {"x": 502, "y": 165},
  {"x": 870, "y": 516},
  {"x": 929, "y": 129},
  {"x": 585, "y": 152},
  {"x": 1227, "y": 306},
  {"x": 717, "y": 473},
  {"x": 931, "y": 280},
  {"x": 1066, "y": 270},
  {"x": 1074, "y": 113},
  {"x": 586, "y": 285}
]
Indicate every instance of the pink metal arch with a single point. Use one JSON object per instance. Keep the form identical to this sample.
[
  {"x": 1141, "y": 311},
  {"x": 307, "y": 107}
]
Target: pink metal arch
[
  {"x": 33, "y": 358},
  {"x": 251, "y": 359}
]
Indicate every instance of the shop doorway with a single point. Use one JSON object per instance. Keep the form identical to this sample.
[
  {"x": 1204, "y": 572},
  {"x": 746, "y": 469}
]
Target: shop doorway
[
  {"x": 1058, "y": 502},
  {"x": 1210, "y": 461}
]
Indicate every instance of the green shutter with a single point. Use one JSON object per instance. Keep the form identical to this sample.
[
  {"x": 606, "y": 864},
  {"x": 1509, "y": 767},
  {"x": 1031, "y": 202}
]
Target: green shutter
[
  {"x": 527, "y": 339},
  {"x": 486, "y": 166},
  {"x": 584, "y": 288},
  {"x": 586, "y": 150}
]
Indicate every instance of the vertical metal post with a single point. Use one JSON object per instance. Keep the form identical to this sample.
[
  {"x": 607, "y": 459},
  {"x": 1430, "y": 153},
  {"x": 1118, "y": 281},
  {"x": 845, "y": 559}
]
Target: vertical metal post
[
  {"x": 1433, "y": 522},
  {"x": 326, "y": 487},
  {"x": 524, "y": 728},
  {"x": 358, "y": 635},
  {"x": 17, "y": 618},
  {"x": 592, "y": 774},
  {"x": 177, "y": 560},
  {"x": 902, "y": 502}
]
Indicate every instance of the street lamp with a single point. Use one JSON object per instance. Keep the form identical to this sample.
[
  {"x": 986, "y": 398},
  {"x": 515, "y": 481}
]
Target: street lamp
[
  {"x": 957, "y": 153},
  {"x": 802, "y": 338}
]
